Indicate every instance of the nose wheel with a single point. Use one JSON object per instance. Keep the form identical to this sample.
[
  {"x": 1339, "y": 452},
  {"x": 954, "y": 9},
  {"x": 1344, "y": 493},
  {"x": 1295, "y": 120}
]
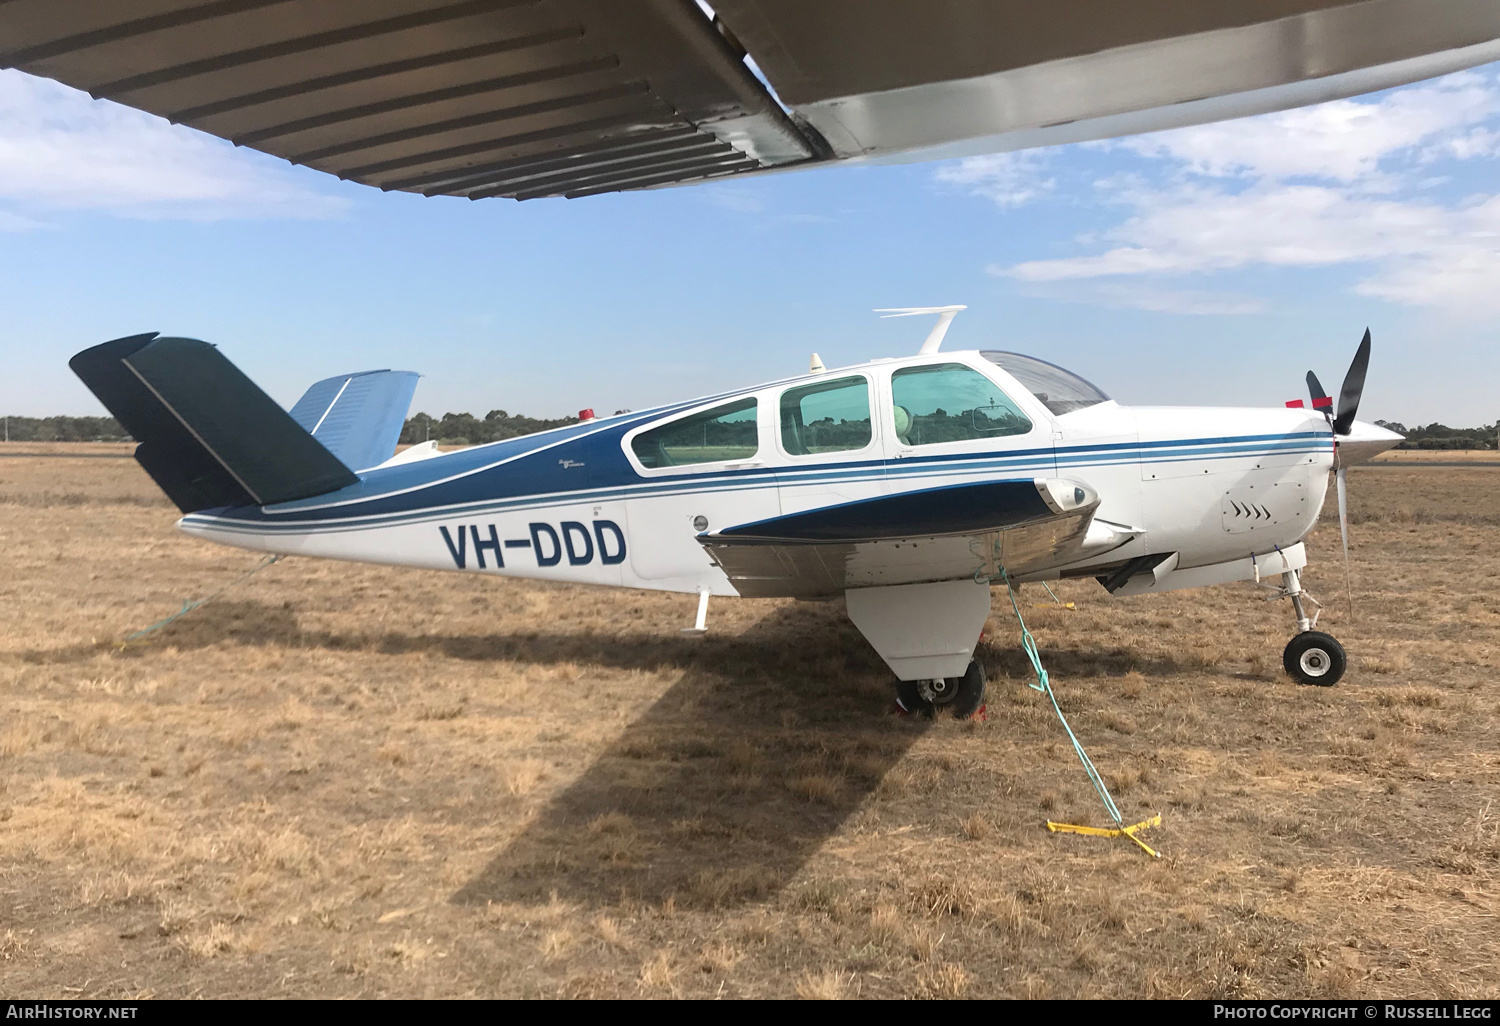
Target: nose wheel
[
  {"x": 961, "y": 697},
  {"x": 1311, "y": 657}
]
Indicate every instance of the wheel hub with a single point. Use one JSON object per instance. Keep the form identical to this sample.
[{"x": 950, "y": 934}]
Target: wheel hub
[
  {"x": 1315, "y": 662},
  {"x": 937, "y": 691}
]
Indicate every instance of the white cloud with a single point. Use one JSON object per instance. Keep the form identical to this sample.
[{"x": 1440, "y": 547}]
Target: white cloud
[
  {"x": 1192, "y": 302},
  {"x": 1138, "y": 295},
  {"x": 62, "y": 150},
  {"x": 740, "y": 199},
  {"x": 12, "y": 223},
  {"x": 1330, "y": 185},
  {"x": 1481, "y": 142},
  {"x": 1343, "y": 141},
  {"x": 1009, "y": 179},
  {"x": 1281, "y": 226}
]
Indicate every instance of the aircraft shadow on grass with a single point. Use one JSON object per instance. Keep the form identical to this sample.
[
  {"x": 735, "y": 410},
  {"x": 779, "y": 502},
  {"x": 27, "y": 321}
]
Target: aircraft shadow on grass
[
  {"x": 721, "y": 791},
  {"x": 763, "y": 652},
  {"x": 716, "y": 795}
]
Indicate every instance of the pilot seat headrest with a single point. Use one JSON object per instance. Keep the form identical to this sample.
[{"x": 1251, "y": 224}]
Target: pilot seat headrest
[{"x": 903, "y": 421}]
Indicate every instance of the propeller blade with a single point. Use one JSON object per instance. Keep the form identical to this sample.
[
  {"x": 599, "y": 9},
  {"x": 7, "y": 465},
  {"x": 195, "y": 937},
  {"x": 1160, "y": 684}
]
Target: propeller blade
[
  {"x": 1315, "y": 387},
  {"x": 1344, "y": 533},
  {"x": 1354, "y": 385}
]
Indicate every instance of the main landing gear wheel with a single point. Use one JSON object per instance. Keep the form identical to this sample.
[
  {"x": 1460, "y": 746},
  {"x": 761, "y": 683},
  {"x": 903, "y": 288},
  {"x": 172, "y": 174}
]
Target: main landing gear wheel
[
  {"x": 960, "y": 697},
  {"x": 1313, "y": 657}
]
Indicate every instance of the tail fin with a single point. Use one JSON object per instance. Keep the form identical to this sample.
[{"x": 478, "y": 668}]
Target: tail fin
[
  {"x": 358, "y": 417},
  {"x": 209, "y": 437}
]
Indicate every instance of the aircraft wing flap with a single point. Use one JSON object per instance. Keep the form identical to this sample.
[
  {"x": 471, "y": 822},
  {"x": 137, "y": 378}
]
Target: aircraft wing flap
[
  {"x": 457, "y": 97},
  {"x": 927, "y": 535}
]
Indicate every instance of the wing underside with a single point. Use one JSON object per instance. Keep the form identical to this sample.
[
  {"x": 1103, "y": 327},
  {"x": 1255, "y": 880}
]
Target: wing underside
[
  {"x": 938, "y": 534},
  {"x": 535, "y": 98}
]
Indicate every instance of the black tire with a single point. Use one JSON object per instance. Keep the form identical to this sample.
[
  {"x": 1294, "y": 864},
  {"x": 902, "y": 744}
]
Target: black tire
[
  {"x": 1313, "y": 657},
  {"x": 959, "y": 697}
]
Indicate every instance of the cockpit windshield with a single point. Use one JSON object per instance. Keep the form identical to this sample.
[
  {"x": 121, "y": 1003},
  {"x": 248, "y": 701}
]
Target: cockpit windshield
[{"x": 1059, "y": 390}]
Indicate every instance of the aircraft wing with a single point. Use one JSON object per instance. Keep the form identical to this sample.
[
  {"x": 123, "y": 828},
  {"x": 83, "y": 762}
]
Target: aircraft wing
[
  {"x": 931, "y": 534},
  {"x": 533, "y": 98}
]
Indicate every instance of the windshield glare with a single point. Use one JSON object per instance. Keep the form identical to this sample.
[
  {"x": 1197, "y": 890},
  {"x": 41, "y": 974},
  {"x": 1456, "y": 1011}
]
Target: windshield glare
[{"x": 1061, "y": 391}]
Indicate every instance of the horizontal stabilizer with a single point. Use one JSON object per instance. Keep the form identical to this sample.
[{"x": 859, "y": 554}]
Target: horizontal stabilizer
[
  {"x": 208, "y": 436},
  {"x": 358, "y": 417}
]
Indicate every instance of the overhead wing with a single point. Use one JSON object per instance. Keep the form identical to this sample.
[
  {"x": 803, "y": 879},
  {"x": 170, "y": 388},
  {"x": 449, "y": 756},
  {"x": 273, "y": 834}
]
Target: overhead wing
[
  {"x": 932, "y": 534},
  {"x": 531, "y": 98}
]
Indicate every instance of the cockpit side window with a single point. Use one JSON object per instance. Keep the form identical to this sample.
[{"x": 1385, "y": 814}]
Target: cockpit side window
[
  {"x": 723, "y": 433},
  {"x": 950, "y": 402},
  {"x": 1061, "y": 391},
  {"x": 828, "y": 416}
]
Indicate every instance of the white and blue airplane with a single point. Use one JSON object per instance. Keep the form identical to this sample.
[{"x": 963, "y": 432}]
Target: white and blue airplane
[{"x": 905, "y": 486}]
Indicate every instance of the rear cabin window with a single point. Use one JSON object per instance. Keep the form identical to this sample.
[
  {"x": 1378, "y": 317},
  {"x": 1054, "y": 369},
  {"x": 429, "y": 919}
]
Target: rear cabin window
[
  {"x": 949, "y": 402},
  {"x": 830, "y": 416},
  {"x": 723, "y": 433}
]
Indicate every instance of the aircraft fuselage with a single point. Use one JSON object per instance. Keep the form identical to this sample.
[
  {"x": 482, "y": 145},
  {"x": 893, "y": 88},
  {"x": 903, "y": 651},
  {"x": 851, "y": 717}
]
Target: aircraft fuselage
[{"x": 1211, "y": 486}]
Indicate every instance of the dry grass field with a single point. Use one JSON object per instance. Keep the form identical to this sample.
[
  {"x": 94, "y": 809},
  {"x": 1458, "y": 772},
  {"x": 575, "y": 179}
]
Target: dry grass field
[
  {"x": 1419, "y": 456},
  {"x": 357, "y": 781}
]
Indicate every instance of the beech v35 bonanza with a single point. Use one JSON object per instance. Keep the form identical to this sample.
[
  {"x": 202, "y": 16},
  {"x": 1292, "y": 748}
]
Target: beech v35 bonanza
[{"x": 906, "y": 486}]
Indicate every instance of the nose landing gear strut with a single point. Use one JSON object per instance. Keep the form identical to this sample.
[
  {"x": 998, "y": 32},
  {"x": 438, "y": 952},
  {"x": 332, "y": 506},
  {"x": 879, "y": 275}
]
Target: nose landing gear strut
[{"x": 1311, "y": 657}]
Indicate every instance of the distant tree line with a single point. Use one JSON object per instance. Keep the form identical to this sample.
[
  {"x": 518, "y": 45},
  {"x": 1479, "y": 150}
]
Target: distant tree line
[
  {"x": 450, "y": 429},
  {"x": 63, "y": 429},
  {"x": 1441, "y": 436},
  {"x": 467, "y": 429}
]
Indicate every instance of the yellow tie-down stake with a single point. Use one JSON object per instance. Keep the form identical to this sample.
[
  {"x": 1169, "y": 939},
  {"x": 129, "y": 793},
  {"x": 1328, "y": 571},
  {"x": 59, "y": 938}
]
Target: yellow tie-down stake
[{"x": 1130, "y": 832}]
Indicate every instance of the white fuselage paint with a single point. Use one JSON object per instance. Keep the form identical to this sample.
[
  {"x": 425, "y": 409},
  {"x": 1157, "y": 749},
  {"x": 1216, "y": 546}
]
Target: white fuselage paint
[{"x": 1176, "y": 476}]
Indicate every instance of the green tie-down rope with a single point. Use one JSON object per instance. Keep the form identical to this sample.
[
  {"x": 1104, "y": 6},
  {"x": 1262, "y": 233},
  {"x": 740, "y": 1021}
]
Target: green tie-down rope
[
  {"x": 1044, "y": 685},
  {"x": 188, "y": 607}
]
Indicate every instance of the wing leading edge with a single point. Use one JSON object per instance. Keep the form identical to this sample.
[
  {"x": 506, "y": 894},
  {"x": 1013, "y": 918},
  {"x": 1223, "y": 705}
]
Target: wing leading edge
[{"x": 932, "y": 534}]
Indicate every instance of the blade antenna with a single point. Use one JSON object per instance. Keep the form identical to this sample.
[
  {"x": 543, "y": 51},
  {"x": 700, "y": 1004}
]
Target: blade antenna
[{"x": 935, "y": 338}]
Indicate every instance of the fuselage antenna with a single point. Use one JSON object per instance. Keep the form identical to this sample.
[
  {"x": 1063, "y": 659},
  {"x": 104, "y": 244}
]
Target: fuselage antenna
[{"x": 935, "y": 338}]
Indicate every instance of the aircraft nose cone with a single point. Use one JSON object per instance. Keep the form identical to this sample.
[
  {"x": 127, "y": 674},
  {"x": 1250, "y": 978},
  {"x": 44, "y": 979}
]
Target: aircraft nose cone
[{"x": 1366, "y": 441}]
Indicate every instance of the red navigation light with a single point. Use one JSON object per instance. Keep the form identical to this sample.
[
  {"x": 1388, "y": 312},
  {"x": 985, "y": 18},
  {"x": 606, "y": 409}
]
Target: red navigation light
[{"x": 585, "y": 414}]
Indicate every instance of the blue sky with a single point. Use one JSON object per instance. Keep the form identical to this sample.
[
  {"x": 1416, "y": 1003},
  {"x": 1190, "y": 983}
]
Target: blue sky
[{"x": 1211, "y": 265}]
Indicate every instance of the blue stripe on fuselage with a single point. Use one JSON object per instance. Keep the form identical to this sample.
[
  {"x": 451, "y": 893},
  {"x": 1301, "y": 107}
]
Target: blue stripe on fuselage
[{"x": 586, "y": 463}]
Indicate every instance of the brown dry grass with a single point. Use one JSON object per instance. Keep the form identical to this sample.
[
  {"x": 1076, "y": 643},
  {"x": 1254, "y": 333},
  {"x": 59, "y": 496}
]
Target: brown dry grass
[
  {"x": 345, "y": 780},
  {"x": 1445, "y": 455}
]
